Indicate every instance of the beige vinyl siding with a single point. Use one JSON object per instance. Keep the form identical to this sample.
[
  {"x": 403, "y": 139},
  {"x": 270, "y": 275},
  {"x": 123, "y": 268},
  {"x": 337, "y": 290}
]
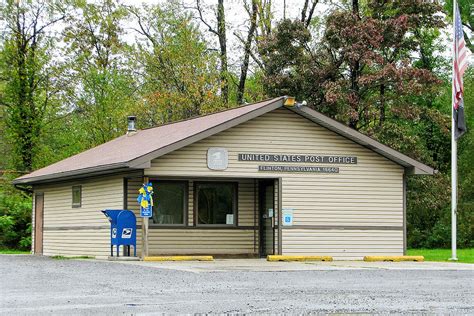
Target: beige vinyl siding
[
  {"x": 73, "y": 242},
  {"x": 246, "y": 214},
  {"x": 342, "y": 244},
  {"x": 84, "y": 230},
  {"x": 133, "y": 185},
  {"x": 201, "y": 241},
  {"x": 187, "y": 240},
  {"x": 369, "y": 193}
]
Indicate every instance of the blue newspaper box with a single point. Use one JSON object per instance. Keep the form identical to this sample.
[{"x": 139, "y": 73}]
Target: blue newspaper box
[{"x": 123, "y": 230}]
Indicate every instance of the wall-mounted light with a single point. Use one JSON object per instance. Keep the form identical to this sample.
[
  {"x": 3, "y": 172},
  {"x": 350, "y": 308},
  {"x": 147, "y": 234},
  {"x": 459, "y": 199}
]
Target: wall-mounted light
[{"x": 289, "y": 101}]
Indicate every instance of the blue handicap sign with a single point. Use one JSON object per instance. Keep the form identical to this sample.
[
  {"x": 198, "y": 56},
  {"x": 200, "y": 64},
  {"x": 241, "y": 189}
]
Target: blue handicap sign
[{"x": 287, "y": 217}]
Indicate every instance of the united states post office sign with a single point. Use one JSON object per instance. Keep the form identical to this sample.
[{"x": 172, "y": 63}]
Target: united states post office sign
[
  {"x": 217, "y": 158},
  {"x": 299, "y": 158}
]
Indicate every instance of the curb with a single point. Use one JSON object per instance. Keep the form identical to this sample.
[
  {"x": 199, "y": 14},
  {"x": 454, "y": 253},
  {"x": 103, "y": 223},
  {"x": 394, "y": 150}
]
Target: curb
[
  {"x": 298, "y": 258},
  {"x": 394, "y": 258},
  {"x": 123, "y": 258},
  {"x": 179, "y": 258}
]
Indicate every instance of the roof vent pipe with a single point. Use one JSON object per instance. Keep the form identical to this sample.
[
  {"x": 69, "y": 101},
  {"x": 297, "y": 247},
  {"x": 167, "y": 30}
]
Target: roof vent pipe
[{"x": 131, "y": 124}]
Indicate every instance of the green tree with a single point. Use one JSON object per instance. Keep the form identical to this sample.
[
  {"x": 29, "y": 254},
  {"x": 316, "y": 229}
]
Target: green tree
[
  {"x": 466, "y": 9},
  {"x": 362, "y": 67},
  {"x": 219, "y": 30},
  {"x": 253, "y": 13},
  {"x": 103, "y": 90},
  {"x": 429, "y": 208},
  {"x": 179, "y": 74},
  {"x": 27, "y": 76}
]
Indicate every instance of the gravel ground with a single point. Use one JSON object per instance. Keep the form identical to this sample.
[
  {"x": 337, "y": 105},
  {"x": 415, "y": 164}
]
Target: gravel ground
[{"x": 40, "y": 285}]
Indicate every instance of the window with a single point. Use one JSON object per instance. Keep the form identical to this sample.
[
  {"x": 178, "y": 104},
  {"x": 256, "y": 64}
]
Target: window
[
  {"x": 216, "y": 203},
  {"x": 76, "y": 196},
  {"x": 170, "y": 202}
]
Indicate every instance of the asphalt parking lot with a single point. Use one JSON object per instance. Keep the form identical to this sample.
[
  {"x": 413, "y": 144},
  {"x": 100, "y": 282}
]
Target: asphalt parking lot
[{"x": 41, "y": 285}]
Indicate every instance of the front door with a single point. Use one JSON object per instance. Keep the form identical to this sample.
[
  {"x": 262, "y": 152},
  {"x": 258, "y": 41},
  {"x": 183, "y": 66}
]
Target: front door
[
  {"x": 267, "y": 217},
  {"x": 39, "y": 203}
]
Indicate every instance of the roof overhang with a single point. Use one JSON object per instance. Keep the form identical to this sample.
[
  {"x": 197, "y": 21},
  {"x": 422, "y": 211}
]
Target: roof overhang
[{"x": 74, "y": 174}]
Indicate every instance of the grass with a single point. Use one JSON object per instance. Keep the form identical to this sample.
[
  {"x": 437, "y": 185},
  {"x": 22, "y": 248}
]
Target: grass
[
  {"x": 14, "y": 252},
  {"x": 464, "y": 255},
  {"x": 69, "y": 258}
]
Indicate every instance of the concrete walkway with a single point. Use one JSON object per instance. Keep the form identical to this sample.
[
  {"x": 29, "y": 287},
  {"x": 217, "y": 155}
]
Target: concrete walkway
[{"x": 261, "y": 265}]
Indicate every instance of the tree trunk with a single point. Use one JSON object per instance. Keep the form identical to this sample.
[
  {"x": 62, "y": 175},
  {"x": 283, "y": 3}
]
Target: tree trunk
[
  {"x": 25, "y": 127},
  {"x": 354, "y": 73},
  {"x": 306, "y": 20},
  {"x": 382, "y": 105},
  {"x": 355, "y": 7},
  {"x": 248, "y": 46},
  {"x": 221, "y": 33}
]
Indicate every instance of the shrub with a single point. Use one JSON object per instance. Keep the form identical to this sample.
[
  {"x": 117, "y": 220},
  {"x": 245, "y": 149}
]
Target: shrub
[{"x": 15, "y": 219}]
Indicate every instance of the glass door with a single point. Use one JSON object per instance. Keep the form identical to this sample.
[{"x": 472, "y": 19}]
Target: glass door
[{"x": 267, "y": 217}]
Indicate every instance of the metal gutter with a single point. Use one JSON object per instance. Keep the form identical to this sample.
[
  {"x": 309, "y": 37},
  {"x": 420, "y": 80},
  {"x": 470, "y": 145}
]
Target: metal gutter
[{"x": 74, "y": 174}]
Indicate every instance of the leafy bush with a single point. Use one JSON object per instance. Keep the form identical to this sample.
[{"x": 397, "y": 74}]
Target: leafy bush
[
  {"x": 429, "y": 214},
  {"x": 15, "y": 219}
]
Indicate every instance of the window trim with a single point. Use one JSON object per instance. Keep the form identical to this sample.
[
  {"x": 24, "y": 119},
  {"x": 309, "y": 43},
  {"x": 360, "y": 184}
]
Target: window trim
[
  {"x": 79, "y": 204},
  {"x": 235, "y": 185},
  {"x": 185, "y": 208}
]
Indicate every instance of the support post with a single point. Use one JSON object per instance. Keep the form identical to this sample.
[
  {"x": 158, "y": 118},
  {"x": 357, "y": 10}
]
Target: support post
[
  {"x": 454, "y": 189},
  {"x": 145, "y": 231},
  {"x": 144, "y": 237},
  {"x": 454, "y": 157}
]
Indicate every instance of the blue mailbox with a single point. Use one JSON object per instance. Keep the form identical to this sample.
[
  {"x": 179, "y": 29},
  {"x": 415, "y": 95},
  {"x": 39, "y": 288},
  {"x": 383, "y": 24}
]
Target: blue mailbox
[{"x": 123, "y": 230}]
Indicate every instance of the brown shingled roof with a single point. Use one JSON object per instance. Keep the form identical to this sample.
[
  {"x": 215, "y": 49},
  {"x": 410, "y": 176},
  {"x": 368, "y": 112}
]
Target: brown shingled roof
[{"x": 123, "y": 152}]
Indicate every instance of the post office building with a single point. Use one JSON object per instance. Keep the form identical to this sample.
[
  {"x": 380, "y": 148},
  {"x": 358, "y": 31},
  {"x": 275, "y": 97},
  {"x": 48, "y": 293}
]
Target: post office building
[{"x": 259, "y": 179}]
